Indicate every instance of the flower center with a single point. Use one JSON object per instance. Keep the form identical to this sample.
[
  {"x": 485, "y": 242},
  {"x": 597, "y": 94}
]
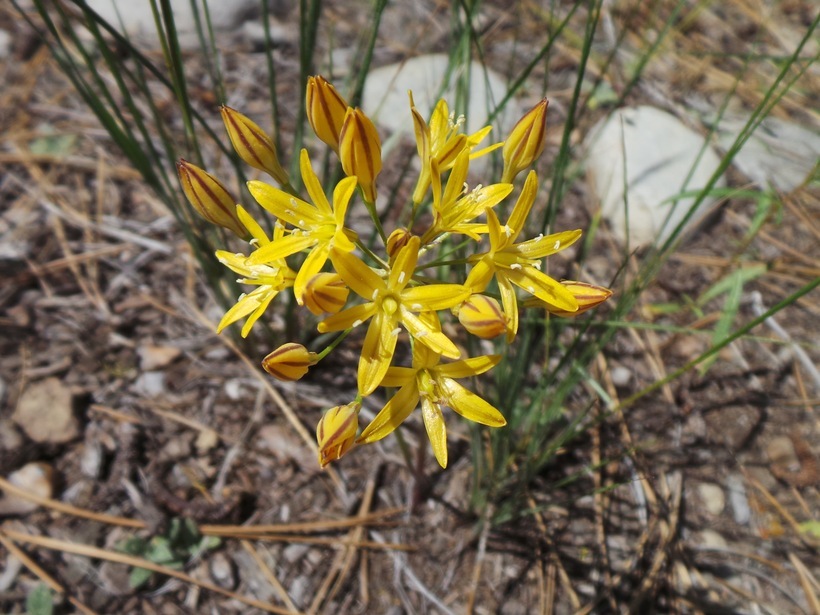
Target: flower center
[{"x": 390, "y": 305}]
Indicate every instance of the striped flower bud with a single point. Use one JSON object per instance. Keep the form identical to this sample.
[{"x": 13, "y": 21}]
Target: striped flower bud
[
  {"x": 482, "y": 316},
  {"x": 209, "y": 197},
  {"x": 397, "y": 240},
  {"x": 526, "y": 142},
  {"x": 360, "y": 151},
  {"x": 252, "y": 144},
  {"x": 289, "y": 362},
  {"x": 325, "y": 110},
  {"x": 325, "y": 293},
  {"x": 588, "y": 296},
  {"x": 336, "y": 432}
]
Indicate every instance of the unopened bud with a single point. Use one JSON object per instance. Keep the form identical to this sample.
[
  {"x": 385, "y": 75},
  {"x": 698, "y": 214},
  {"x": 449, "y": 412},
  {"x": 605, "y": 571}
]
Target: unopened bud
[
  {"x": 325, "y": 110},
  {"x": 526, "y": 142},
  {"x": 325, "y": 293},
  {"x": 360, "y": 151},
  {"x": 482, "y": 316},
  {"x": 289, "y": 362},
  {"x": 252, "y": 144},
  {"x": 588, "y": 296},
  {"x": 397, "y": 240},
  {"x": 336, "y": 432},
  {"x": 209, "y": 197}
]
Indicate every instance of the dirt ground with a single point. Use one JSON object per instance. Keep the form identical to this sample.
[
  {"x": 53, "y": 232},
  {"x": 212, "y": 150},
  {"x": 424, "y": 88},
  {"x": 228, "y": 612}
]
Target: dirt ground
[{"x": 118, "y": 398}]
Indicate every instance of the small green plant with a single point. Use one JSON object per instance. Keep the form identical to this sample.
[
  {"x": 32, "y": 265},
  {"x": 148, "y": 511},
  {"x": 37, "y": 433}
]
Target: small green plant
[
  {"x": 40, "y": 600},
  {"x": 179, "y": 544}
]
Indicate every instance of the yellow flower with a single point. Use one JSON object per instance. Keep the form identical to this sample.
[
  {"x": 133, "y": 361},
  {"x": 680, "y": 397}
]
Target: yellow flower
[
  {"x": 319, "y": 227},
  {"x": 336, "y": 432},
  {"x": 390, "y": 303},
  {"x": 269, "y": 278},
  {"x": 325, "y": 293},
  {"x": 526, "y": 141},
  {"x": 482, "y": 316},
  {"x": 360, "y": 151},
  {"x": 453, "y": 209},
  {"x": 209, "y": 197},
  {"x": 289, "y": 362},
  {"x": 441, "y": 141},
  {"x": 434, "y": 384},
  {"x": 519, "y": 263},
  {"x": 588, "y": 296},
  {"x": 325, "y": 110},
  {"x": 252, "y": 144}
]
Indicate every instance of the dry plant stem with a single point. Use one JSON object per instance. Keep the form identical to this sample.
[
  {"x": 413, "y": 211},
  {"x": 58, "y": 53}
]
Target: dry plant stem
[
  {"x": 120, "y": 558},
  {"x": 759, "y": 309},
  {"x": 808, "y": 582},
  {"x": 779, "y": 508},
  {"x": 481, "y": 554},
  {"x": 268, "y": 574},
  {"x": 375, "y": 518},
  {"x": 600, "y": 502},
  {"x": 668, "y": 529},
  {"x": 343, "y": 560},
  {"x": 41, "y": 574},
  {"x": 69, "y": 509}
]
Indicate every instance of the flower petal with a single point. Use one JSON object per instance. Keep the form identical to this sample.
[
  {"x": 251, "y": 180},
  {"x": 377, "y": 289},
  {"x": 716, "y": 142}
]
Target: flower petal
[
  {"x": 313, "y": 185},
  {"x": 398, "y": 376},
  {"x": 469, "y": 405},
  {"x": 284, "y": 206},
  {"x": 434, "y": 297},
  {"x": 394, "y": 413},
  {"x": 543, "y": 287},
  {"x": 468, "y": 367},
  {"x": 510, "y": 303},
  {"x": 281, "y": 248},
  {"x": 341, "y": 199},
  {"x": 405, "y": 265},
  {"x": 550, "y": 244},
  {"x": 377, "y": 352},
  {"x": 523, "y": 205},
  {"x": 313, "y": 264},
  {"x": 361, "y": 279},
  {"x": 351, "y": 317},
  {"x": 436, "y": 429},
  {"x": 434, "y": 340}
]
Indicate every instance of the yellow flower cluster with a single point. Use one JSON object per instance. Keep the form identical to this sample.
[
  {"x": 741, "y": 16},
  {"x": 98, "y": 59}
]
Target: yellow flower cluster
[{"x": 389, "y": 293}]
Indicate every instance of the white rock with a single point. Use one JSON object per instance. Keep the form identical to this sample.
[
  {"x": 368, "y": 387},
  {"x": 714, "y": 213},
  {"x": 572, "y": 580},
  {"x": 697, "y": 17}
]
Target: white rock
[
  {"x": 659, "y": 153},
  {"x": 136, "y": 19},
  {"x": 45, "y": 412},
  {"x": 150, "y": 384},
  {"x": 737, "y": 498},
  {"x": 712, "y": 497},
  {"x": 386, "y": 103},
  {"x": 778, "y": 152},
  {"x": 35, "y": 478}
]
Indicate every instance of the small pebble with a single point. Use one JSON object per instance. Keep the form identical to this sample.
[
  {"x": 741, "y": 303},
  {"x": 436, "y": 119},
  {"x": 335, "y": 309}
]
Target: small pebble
[{"x": 712, "y": 497}]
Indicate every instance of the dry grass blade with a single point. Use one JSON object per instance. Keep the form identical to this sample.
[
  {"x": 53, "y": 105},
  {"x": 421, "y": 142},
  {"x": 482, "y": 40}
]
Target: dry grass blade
[
  {"x": 343, "y": 562},
  {"x": 41, "y": 574},
  {"x": 69, "y": 509},
  {"x": 268, "y": 574},
  {"x": 807, "y": 582},
  {"x": 138, "y": 562},
  {"x": 375, "y": 518}
]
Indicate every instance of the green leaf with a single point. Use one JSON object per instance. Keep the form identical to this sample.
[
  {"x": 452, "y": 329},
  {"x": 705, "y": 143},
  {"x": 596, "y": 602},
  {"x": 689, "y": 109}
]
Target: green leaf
[
  {"x": 727, "y": 283},
  {"x": 55, "y": 145},
  {"x": 40, "y": 600},
  {"x": 812, "y": 528},
  {"x": 139, "y": 577}
]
